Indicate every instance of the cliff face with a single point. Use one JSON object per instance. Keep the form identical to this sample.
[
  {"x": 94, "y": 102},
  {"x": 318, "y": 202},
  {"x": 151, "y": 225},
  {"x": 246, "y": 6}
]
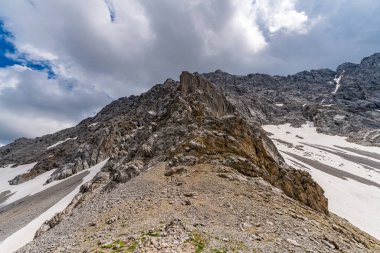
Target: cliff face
[{"x": 224, "y": 136}]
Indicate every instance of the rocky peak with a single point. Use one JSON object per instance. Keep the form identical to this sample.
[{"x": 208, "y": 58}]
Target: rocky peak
[
  {"x": 371, "y": 61},
  {"x": 360, "y": 82},
  {"x": 196, "y": 88},
  {"x": 370, "y": 64}
]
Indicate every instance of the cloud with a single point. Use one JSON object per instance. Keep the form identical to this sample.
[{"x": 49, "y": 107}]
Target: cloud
[
  {"x": 282, "y": 15},
  {"x": 78, "y": 54},
  {"x": 33, "y": 105}
]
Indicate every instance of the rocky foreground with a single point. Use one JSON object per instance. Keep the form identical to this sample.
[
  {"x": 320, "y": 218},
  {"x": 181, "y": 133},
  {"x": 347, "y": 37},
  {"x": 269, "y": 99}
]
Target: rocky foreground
[{"x": 200, "y": 208}]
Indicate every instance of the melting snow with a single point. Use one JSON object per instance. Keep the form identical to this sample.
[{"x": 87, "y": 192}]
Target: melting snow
[
  {"x": 337, "y": 81},
  {"x": 29, "y": 187},
  {"x": 355, "y": 201},
  {"x": 339, "y": 117},
  {"x": 60, "y": 142},
  {"x": 8, "y": 173},
  {"x": 26, "y": 234},
  {"x": 152, "y": 113}
]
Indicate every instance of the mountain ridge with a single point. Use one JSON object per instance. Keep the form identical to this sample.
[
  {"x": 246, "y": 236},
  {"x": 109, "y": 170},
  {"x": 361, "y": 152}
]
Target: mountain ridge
[{"x": 207, "y": 121}]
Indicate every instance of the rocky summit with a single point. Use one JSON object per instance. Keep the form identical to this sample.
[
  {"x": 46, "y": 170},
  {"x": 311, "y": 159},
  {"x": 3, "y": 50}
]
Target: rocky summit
[{"x": 190, "y": 169}]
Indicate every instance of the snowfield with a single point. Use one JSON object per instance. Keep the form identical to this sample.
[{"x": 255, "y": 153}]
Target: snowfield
[
  {"x": 26, "y": 234},
  {"x": 30, "y": 187},
  {"x": 349, "y": 173}
]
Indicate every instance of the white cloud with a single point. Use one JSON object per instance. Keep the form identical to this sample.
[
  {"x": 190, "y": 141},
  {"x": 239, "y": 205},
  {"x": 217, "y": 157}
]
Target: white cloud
[
  {"x": 282, "y": 15},
  {"x": 8, "y": 79},
  {"x": 239, "y": 31},
  {"x": 30, "y": 125},
  {"x": 113, "y": 48},
  {"x": 79, "y": 43},
  {"x": 35, "y": 105},
  {"x": 117, "y": 55}
]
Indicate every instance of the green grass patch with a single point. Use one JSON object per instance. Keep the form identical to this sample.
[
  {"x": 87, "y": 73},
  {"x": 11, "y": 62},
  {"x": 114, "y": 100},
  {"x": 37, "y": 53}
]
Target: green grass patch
[
  {"x": 218, "y": 250},
  {"x": 199, "y": 242},
  {"x": 133, "y": 246}
]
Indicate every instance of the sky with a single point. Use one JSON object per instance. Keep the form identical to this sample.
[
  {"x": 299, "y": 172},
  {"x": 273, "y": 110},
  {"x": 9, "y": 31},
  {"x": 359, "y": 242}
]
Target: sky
[{"x": 62, "y": 61}]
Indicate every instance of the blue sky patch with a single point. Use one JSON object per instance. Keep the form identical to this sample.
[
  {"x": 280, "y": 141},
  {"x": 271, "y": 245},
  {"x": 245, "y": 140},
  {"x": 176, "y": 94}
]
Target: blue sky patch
[{"x": 7, "y": 48}]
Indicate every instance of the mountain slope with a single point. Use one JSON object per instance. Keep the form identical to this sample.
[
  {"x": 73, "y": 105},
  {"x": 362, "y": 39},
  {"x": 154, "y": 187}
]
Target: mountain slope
[
  {"x": 180, "y": 145},
  {"x": 185, "y": 124},
  {"x": 199, "y": 208}
]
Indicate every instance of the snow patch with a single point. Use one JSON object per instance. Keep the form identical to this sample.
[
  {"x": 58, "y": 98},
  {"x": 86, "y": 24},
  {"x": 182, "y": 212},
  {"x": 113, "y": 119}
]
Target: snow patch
[
  {"x": 339, "y": 117},
  {"x": 93, "y": 124},
  {"x": 153, "y": 113},
  {"x": 8, "y": 173},
  {"x": 309, "y": 124},
  {"x": 279, "y": 105},
  {"x": 60, "y": 142},
  {"x": 355, "y": 201},
  {"x": 29, "y": 187},
  {"x": 26, "y": 234},
  {"x": 338, "y": 80}
]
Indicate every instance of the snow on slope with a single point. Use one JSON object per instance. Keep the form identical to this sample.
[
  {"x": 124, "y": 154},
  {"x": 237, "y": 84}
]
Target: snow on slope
[
  {"x": 8, "y": 173},
  {"x": 30, "y": 187},
  {"x": 60, "y": 142},
  {"x": 349, "y": 173},
  {"x": 337, "y": 80},
  {"x": 26, "y": 234}
]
